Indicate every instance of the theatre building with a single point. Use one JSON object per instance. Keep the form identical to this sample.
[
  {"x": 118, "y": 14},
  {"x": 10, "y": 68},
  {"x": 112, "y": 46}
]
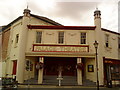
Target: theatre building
[{"x": 40, "y": 50}]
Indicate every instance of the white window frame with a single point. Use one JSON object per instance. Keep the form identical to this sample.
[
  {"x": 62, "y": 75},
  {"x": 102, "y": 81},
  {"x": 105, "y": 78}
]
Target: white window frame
[
  {"x": 39, "y": 37},
  {"x": 83, "y": 38},
  {"x": 61, "y": 37}
]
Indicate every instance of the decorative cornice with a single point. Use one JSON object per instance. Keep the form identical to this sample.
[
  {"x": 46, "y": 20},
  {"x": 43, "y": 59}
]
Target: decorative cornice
[
  {"x": 85, "y": 54},
  {"x": 62, "y": 27}
]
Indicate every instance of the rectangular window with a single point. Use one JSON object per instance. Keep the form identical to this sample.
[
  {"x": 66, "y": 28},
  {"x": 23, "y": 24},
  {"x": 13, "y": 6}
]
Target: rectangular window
[
  {"x": 83, "y": 38},
  {"x": 119, "y": 43},
  {"x": 17, "y": 38},
  {"x": 115, "y": 72},
  {"x": 61, "y": 37},
  {"x": 38, "y": 37},
  {"x": 107, "y": 40}
]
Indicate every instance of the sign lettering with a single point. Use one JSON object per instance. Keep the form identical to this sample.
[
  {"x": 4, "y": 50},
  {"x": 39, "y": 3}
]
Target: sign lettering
[{"x": 60, "y": 49}]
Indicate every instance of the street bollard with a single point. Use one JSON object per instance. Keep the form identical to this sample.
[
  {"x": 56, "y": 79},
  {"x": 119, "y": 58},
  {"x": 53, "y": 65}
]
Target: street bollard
[{"x": 59, "y": 80}]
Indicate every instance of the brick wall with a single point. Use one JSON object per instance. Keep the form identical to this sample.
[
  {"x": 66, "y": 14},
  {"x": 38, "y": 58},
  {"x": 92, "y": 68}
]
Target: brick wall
[{"x": 5, "y": 40}]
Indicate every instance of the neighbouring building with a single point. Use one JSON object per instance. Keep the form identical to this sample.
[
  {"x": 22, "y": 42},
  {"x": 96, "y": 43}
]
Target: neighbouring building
[{"x": 37, "y": 48}]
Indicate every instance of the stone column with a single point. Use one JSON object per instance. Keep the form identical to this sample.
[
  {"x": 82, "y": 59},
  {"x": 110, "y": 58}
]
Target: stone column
[
  {"x": 79, "y": 73},
  {"x": 40, "y": 74}
]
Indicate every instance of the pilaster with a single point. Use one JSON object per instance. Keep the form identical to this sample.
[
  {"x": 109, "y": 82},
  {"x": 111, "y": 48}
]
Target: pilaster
[
  {"x": 40, "y": 74},
  {"x": 79, "y": 72}
]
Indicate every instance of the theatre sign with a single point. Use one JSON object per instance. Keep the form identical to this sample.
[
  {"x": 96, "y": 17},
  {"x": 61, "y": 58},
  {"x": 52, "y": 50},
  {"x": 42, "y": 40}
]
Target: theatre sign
[{"x": 60, "y": 48}]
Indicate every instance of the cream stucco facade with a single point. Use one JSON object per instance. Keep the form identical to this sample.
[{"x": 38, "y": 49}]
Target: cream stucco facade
[{"x": 22, "y": 44}]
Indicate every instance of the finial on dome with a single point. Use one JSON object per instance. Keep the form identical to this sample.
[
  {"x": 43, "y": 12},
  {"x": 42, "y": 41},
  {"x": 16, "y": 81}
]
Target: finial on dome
[
  {"x": 27, "y": 6},
  {"x": 96, "y": 8}
]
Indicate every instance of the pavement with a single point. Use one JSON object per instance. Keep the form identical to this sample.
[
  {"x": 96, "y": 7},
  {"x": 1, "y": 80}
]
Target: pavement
[{"x": 49, "y": 87}]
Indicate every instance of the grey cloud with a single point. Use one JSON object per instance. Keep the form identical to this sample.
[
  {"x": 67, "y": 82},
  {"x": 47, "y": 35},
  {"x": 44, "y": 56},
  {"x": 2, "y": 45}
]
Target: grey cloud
[
  {"x": 78, "y": 12},
  {"x": 74, "y": 10},
  {"x": 35, "y": 8}
]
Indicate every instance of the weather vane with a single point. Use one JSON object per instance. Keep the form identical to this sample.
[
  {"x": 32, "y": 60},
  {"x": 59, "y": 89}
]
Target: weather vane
[
  {"x": 96, "y": 7},
  {"x": 27, "y": 3}
]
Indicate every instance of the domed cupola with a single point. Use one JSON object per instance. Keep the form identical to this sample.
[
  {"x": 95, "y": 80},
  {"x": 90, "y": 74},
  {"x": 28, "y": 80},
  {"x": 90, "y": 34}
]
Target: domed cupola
[
  {"x": 26, "y": 12},
  {"x": 97, "y": 13}
]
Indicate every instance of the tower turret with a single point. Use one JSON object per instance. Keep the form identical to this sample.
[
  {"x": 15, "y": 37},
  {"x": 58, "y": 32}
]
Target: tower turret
[
  {"x": 26, "y": 12},
  {"x": 97, "y": 13},
  {"x": 97, "y": 18},
  {"x": 100, "y": 39},
  {"x": 23, "y": 34}
]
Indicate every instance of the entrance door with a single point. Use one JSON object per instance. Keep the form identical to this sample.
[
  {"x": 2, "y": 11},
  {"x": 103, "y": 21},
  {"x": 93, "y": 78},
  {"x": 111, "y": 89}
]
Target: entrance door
[
  {"x": 14, "y": 67},
  {"x": 67, "y": 64}
]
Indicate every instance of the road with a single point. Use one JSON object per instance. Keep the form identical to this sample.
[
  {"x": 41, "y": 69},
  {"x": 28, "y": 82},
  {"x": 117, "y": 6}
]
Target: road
[{"x": 43, "y": 87}]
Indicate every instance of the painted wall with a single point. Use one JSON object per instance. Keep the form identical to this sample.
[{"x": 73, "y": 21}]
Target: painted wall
[
  {"x": 112, "y": 50},
  {"x": 30, "y": 74},
  {"x": 36, "y": 21},
  {"x": 71, "y": 37},
  {"x": 2, "y": 69},
  {"x": 13, "y": 47},
  {"x": 90, "y": 75},
  {"x": 12, "y": 53},
  {"x": 31, "y": 39}
]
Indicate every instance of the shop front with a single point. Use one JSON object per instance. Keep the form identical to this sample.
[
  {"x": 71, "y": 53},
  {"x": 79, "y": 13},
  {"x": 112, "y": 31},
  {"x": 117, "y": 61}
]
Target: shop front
[{"x": 111, "y": 71}]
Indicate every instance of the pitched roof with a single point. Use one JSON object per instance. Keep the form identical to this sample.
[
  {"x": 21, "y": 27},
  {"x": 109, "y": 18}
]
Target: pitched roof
[
  {"x": 5, "y": 27},
  {"x": 36, "y": 16},
  {"x": 46, "y": 19},
  {"x": 109, "y": 31}
]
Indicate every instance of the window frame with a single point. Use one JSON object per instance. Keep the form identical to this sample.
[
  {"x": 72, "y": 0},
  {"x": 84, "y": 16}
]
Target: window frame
[
  {"x": 61, "y": 36},
  {"x": 83, "y": 39},
  {"x": 16, "y": 40},
  {"x": 39, "y": 37},
  {"x": 107, "y": 44}
]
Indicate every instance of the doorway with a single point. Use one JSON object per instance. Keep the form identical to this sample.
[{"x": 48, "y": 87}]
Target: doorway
[
  {"x": 14, "y": 67},
  {"x": 52, "y": 65}
]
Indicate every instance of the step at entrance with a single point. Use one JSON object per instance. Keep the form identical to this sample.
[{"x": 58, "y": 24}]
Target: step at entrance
[
  {"x": 67, "y": 80},
  {"x": 87, "y": 82},
  {"x": 31, "y": 81}
]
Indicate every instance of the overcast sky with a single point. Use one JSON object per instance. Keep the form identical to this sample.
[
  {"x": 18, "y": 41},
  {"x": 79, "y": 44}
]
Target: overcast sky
[{"x": 65, "y": 12}]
